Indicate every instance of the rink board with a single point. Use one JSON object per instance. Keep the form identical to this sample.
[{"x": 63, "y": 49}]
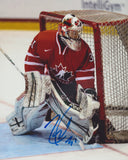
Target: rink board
[{"x": 35, "y": 143}]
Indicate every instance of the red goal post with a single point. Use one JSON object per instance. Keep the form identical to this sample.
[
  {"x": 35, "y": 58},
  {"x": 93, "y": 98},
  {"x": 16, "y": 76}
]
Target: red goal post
[{"x": 107, "y": 35}]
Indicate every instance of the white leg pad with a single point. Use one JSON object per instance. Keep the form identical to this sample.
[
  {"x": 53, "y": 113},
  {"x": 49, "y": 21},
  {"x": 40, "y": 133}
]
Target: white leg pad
[
  {"x": 81, "y": 127},
  {"x": 16, "y": 124},
  {"x": 27, "y": 119}
]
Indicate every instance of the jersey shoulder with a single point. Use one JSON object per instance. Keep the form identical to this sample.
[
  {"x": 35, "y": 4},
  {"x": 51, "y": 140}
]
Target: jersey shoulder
[{"x": 47, "y": 36}]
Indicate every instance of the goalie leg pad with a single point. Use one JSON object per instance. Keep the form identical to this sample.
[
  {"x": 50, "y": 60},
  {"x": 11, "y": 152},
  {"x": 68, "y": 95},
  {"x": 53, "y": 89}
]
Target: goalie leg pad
[
  {"x": 16, "y": 124},
  {"x": 37, "y": 86},
  {"x": 81, "y": 127},
  {"x": 29, "y": 109},
  {"x": 27, "y": 119},
  {"x": 35, "y": 117}
]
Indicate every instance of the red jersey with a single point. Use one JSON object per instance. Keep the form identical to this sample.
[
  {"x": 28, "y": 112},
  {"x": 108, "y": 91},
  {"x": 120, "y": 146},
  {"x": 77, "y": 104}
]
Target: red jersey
[{"x": 64, "y": 64}]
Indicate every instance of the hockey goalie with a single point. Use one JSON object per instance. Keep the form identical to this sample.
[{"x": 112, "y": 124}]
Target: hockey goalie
[{"x": 59, "y": 74}]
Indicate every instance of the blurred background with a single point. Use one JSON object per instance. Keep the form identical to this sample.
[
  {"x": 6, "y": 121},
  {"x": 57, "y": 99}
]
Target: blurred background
[{"x": 32, "y": 8}]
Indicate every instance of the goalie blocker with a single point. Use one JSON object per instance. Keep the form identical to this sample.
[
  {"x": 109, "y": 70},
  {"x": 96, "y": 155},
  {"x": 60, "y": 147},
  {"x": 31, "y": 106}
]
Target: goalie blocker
[{"x": 31, "y": 109}]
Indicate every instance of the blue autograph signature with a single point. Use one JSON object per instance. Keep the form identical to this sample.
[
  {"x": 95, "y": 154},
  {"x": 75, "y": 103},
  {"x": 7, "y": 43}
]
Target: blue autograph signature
[{"x": 57, "y": 135}]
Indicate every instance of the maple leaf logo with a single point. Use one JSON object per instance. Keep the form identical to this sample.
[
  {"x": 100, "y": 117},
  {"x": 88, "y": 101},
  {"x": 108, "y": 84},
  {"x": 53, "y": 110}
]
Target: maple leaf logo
[{"x": 61, "y": 73}]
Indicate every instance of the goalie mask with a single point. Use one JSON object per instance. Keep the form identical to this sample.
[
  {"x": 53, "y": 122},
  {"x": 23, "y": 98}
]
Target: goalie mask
[{"x": 70, "y": 31}]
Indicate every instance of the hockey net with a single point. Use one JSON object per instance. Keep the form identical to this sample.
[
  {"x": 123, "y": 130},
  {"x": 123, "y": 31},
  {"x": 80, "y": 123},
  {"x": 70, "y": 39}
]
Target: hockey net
[{"x": 107, "y": 35}]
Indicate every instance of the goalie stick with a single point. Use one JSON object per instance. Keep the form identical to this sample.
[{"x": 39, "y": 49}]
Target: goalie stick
[{"x": 1, "y": 50}]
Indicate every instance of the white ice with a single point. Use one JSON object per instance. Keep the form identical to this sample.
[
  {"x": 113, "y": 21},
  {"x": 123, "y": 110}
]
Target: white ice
[{"x": 15, "y": 44}]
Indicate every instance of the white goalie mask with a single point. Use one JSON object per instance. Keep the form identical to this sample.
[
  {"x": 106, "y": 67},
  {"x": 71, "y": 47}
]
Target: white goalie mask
[{"x": 70, "y": 31}]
